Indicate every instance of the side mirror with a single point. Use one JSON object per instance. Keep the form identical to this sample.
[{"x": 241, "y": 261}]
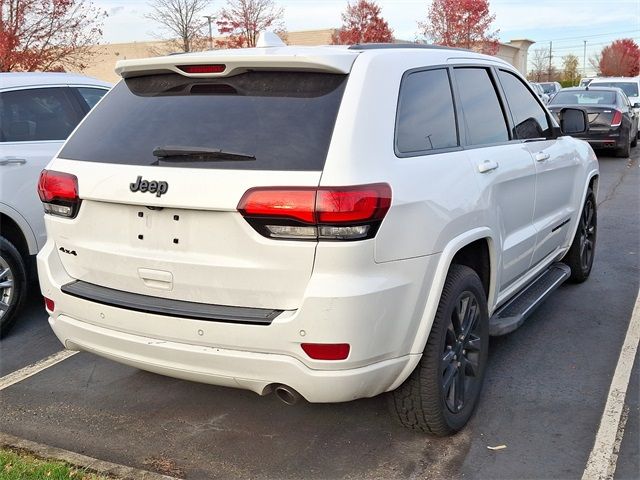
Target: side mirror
[
  {"x": 573, "y": 121},
  {"x": 636, "y": 105}
]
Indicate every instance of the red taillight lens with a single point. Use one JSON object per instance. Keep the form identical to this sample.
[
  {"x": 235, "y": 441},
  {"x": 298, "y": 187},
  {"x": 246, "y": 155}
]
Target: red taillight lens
[
  {"x": 59, "y": 193},
  {"x": 617, "y": 118},
  {"x": 49, "y": 304},
  {"x": 326, "y": 213},
  {"x": 294, "y": 203},
  {"x": 218, "y": 68},
  {"x": 326, "y": 351}
]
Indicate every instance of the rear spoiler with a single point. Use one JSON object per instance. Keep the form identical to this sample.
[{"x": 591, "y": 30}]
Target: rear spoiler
[{"x": 312, "y": 59}]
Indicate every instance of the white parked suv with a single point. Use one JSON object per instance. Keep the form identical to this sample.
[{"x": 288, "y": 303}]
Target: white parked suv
[
  {"x": 329, "y": 223},
  {"x": 37, "y": 113}
]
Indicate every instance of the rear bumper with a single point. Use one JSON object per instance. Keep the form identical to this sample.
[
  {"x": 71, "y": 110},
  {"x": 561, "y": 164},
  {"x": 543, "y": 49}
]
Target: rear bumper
[
  {"x": 608, "y": 139},
  {"x": 229, "y": 368},
  {"x": 377, "y": 312}
]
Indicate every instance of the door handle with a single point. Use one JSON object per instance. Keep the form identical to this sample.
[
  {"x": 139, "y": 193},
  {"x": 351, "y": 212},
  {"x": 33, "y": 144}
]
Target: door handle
[
  {"x": 541, "y": 156},
  {"x": 12, "y": 161},
  {"x": 487, "y": 166}
]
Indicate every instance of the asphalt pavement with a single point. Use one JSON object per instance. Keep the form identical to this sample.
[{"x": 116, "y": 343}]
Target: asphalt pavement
[{"x": 544, "y": 395}]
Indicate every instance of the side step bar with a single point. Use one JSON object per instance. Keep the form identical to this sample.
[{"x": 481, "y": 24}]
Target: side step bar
[{"x": 513, "y": 313}]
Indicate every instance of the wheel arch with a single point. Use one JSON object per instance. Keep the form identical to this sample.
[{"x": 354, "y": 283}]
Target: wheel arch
[
  {"x": 458, "y": 250},
  {"x": 15, "y": 228}
]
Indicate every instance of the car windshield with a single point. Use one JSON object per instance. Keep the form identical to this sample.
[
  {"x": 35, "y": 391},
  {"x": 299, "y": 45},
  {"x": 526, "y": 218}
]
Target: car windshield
[
  {"x": 548, "y": 87},
  {"x": 591, "y": 97},
  {"x": 630, "y": 88}
]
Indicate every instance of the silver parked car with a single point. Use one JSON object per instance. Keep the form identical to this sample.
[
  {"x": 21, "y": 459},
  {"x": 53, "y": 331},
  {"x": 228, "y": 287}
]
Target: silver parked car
[{"x": 38, "y": 111}]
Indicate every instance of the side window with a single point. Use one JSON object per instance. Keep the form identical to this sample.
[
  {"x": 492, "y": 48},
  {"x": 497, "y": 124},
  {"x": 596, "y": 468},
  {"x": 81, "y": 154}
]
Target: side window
[
  {"x": 529, "y": 117},
  {"x": 91, "y": 95},
  {"x": 426, "y": 118},
  {"x": 483, "y": 115},
  {"x": 36, "y": 114}
]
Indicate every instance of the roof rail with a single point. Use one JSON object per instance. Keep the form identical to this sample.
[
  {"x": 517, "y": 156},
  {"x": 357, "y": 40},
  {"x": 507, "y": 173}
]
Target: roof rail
[{"x": 377, "y": 46}]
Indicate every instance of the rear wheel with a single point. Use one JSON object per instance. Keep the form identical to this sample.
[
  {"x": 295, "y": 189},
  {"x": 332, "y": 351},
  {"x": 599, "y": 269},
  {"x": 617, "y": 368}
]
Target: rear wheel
[
  {"x": 580, "y": 256},
  {"x": 13, "y": 284},
  {"x": 625, "y": 150},
  {"x": 442, "y": 392}
]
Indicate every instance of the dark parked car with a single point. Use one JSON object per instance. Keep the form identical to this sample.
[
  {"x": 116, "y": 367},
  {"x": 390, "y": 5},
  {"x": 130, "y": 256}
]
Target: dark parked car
[{"x": 612, "y": 120}]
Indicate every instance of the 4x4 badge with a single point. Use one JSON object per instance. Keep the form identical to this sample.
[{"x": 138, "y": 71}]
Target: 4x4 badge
[{"x": 153, "y": 186}]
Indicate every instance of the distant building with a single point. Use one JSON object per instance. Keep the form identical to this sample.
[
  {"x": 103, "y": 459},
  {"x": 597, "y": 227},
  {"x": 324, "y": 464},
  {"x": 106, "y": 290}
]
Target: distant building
[{"x": 101, "y": 65}]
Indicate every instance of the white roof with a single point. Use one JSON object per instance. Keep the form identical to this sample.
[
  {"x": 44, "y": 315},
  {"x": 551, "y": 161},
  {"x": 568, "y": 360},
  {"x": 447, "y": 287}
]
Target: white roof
[{"x": 34, "y": 79}]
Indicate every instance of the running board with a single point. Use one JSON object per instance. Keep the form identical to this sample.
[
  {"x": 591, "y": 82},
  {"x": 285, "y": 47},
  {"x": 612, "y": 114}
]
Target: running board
[{"x": 513, "y": 313}]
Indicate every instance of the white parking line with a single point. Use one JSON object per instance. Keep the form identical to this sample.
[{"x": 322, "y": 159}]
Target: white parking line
[
  {"x": 29, "y": 370},
  {"x": 604, "y": 455}
]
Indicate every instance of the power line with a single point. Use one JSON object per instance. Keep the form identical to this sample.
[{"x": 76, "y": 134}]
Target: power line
[{"x": 586, "y": 36}]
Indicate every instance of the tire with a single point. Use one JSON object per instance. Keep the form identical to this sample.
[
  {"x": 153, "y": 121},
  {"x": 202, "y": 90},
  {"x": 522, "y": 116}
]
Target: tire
[
  {"x": 13, "y": 285},
  {"x": 427, "y": 400},
  {"x": 580, "y": 256},
  {"x": 625, "y": 150}
]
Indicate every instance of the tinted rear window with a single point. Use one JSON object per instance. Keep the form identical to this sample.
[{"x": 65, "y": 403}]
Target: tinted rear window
[
  {"x": 284, "y": 119},
  {"x": 590, "y": 97}
]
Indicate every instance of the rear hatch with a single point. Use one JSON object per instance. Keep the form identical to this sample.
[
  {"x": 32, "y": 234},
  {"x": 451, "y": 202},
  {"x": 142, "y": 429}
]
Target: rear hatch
[{"x": 162, "y": 164}]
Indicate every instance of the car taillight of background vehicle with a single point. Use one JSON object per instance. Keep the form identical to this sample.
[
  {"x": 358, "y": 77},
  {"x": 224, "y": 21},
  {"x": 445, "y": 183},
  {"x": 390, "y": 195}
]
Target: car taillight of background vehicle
[
  {"x": 59, "y": 193},
  {"x": 310, "y": 213},
  {"x": 617, "y": 118}
]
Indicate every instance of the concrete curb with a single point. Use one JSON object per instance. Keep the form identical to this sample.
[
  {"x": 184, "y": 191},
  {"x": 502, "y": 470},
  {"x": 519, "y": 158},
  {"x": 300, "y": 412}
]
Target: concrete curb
[{"x": 99, "y": 466}]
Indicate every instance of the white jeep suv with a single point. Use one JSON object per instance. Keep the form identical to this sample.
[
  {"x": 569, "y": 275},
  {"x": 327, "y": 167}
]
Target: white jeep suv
[
  {"x": 328, "y": 223},
  {"x": 37, "y": 113}
]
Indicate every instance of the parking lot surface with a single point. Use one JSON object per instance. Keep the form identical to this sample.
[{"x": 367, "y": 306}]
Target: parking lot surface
[{"x": 544, "y": 395}]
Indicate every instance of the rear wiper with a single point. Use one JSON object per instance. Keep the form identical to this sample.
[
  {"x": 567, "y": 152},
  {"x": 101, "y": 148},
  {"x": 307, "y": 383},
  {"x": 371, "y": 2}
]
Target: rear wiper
[{"x": 189, "y": 154}]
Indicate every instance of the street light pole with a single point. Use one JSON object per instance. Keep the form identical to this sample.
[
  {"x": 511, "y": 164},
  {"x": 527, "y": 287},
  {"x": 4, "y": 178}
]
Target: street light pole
[
  {"x": 209, "y": 17},
  {"x": 584, "y": 60}
]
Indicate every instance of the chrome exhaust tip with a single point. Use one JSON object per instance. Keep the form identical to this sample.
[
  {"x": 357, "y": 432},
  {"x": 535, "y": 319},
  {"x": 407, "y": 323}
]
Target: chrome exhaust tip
[{"x": 287, "y": 394}]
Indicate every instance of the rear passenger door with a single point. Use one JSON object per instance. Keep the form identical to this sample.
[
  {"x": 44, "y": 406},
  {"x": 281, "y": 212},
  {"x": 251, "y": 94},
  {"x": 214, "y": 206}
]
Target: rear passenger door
[
  {"x": 34, "y": 122},
  {"x": 503, "y": 167},
  {"x": 556, "y": 166}
]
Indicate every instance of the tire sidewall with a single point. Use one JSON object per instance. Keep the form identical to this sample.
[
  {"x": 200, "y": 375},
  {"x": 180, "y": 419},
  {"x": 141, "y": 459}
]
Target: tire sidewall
[
  {"x": 468, "y": 282},
  {"x": 12, "y": 257}
]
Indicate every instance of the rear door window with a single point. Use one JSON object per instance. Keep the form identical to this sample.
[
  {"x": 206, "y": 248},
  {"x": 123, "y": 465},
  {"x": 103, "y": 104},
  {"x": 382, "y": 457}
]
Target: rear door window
[
  {"x": 283, "y": 119},
  {"x": 483, "y": 115},
  {"x": 529, "y": 117},
  {"x": 37, "y": 114},
  {"x": 426, "y": 115}
]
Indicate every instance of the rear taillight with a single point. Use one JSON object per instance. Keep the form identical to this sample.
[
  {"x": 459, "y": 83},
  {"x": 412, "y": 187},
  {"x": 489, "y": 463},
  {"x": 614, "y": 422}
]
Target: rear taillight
[
  {"x": 59, "y": 193},
  {"x": 309, "y": 213},
  {"x": 617, "y": 118}
]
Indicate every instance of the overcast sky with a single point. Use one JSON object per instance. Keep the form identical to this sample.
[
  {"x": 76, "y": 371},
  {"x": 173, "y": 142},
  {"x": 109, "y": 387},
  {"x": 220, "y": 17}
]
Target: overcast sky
[{"x": 565, "y": 22}]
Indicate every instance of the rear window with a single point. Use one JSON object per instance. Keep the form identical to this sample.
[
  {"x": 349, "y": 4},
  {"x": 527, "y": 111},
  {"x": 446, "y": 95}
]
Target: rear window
[
  {"x": 630, "y": 88},
  {"x": 591, "y": 97},
  {"x": 283, "y": 119}
]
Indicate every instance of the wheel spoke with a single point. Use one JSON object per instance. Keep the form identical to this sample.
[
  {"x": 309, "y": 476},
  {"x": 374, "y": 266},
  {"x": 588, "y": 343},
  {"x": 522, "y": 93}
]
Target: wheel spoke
[
  {"x": 470, "y": 367},
  {"x": 6, "y": 284},
  {"x": 459, "y": 383},
  {"x": 3, "y": 307},
  {"x": 447, "y": 380},
  {"x": 471, "y": 318},
  {"x": 3, "y": 273},
  {"x": 472, "y": 343},
  {"x": 447, "y": 357},
  {"x": 457, "y": 319}
]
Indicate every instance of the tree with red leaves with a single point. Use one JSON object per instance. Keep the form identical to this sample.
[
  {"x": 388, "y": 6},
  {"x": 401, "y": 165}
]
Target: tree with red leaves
[
  {"x": 47, "y": 34},
  {"x": 620, "y": 59},
  {"x": 362, "y": 23},
  {"x": 461, "y": 24},
  {"x": 241, "y": 21}
]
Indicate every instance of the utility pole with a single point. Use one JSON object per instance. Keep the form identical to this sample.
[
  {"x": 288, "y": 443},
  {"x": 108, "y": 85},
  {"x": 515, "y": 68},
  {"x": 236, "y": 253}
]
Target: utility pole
[
  {"x": 584, "y": 60},
  {"x": 549, "y": 72},
  {"x": 209, "y": 17}
]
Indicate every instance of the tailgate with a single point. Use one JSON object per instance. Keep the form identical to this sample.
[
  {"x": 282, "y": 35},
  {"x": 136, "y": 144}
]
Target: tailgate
[{"x": 166, "y": 224}]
